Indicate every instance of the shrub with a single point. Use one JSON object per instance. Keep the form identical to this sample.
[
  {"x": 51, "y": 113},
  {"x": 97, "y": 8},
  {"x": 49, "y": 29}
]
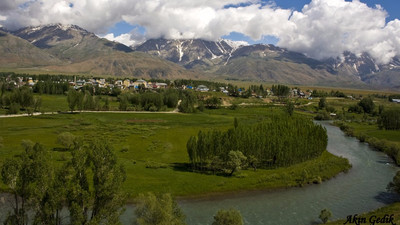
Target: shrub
[{"x": 14, "y": 108}]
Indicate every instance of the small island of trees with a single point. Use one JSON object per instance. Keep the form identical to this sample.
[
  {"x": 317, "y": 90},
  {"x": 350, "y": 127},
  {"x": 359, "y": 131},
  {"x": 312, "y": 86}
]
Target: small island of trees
[{"x": 280, "y": 141}]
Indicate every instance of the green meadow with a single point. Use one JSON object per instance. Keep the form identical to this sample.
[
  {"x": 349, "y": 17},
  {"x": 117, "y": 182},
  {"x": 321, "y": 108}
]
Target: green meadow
[{"x": 152, "y": 148}]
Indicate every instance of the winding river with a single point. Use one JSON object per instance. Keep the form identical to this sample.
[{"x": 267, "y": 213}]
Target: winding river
[{"x": 362, "y": 189}]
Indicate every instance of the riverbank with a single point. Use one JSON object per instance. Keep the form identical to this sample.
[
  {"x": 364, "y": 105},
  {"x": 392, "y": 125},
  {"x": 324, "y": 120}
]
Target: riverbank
[
  {"x": 387, "y": 141},
  {"x": 393, "y": 209}
]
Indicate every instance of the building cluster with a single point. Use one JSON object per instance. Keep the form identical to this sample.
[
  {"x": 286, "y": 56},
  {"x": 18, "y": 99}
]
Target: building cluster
[
  {"x": 21, "y": 81},
  {"x": 128, "y": 84},
  {"x": 301, "y": 94},
  {"x": 122, "y": 84}
]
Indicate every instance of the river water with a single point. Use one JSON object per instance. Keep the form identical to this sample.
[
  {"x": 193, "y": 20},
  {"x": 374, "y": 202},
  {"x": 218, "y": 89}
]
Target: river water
[{"x": 362, "y": 189}]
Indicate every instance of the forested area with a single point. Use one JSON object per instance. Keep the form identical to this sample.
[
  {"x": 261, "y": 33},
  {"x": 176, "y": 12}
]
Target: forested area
[
  {"x": 88, "y": 186},
  {"x": 19, "y": 98},
  {"x": 149, "y": 101},
  {"x": 390, "y": 119},
  {"x": 280, "y": 141}
]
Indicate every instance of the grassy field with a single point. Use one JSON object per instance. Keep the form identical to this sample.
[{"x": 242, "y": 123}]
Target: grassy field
[{"x": 159, "y": 141}]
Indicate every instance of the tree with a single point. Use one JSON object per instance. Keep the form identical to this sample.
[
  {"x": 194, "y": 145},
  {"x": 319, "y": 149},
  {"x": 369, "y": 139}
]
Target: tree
[
  {"x": 235, "y": 123},
  {"x": 236, "y": 160},
  {"x": 66, "y": 139},
  {"x": 106, "y": 105},
  {"x": 123, "y": 102},
  {"x": 381, "y": 109},
  {"x": 290, "y": 107},
  {"x": 158, "y": 210},
  {"x": 37, "y": 103},
  {"x": 28, "y": 178},
  {"x": 322, "y": 103},
  {"x": 88, "y": 103},
  {"x": 108, "y": 178},
  {"x": 394, "y": 186},
  {"x": 103, "y": 202},
  {"x": 390, "y": 119},
  {"x": 14, "y": 108},
  {"x": 74, "y": 99},
  {"x": 228, "y": 217},
  {"x": 367, "y": 104},
  {"x": 253, "y": 161},
  {"x": 280, "y": 90},
  {"x": 325, "y": 215}
]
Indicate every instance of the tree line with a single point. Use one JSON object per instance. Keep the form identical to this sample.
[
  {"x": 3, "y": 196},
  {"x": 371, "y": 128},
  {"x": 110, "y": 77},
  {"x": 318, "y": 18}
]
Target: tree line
[
  {"x": 89, "y": 186},
  {"x": 280, "y": 141},
  {"x": 149, "y": 100},
  {"x": 85, "y": 190},
  {"x": 19, "y": 98}
]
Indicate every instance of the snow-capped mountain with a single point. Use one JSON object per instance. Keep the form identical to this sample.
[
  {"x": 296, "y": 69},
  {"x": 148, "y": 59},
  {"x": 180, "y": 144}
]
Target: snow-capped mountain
[
  {"x": 192, "y": 52},
  {"x": 69, "y": 42},
  {"x": 80, "y": 50}
]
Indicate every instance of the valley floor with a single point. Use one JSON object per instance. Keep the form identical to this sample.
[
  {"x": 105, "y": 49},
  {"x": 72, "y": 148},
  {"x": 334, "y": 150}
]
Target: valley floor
[{"x": 152, "y": 147}]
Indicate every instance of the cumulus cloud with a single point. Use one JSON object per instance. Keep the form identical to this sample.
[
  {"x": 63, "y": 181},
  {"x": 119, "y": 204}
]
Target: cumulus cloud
[
  {"x": 130, "y": 39},
  {"x": 322, "y": 29},
  {"x": 327, "y": 28}
]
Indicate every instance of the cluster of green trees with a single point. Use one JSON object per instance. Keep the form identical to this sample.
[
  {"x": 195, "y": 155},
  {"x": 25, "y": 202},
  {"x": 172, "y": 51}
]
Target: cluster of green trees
[
  {"x": 50, "y": 87},
  {"x": 149, "y": 100},
  {"x": 86, "y": 189},
  {"x": 162, "y": 209},
  {"x": 389, "y": 119},
  {"x": 280, "y": 90},
  {"x": 85, "y": 101},
  {"x": 333, "y": 93},
  {"x": 88, "y": 185},
  {"x": 258, "y": 89},
  {"x": 19, "y": 98},
  {"x": 365, "y": 105},
  {"x": 280, "y": 141},
  {"x": 189, "y": 100}
]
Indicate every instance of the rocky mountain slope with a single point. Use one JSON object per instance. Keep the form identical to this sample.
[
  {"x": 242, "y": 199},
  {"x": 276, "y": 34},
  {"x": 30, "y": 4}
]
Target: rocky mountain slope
[
  {"x": 17, "y": 52},
  {"x": 76, "y": 50}
]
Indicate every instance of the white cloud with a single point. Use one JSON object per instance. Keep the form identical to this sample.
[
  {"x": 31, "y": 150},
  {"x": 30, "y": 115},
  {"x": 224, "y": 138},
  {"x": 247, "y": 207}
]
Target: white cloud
[
  {"x": 324, "y": 28},
  {"x": 129, "y": 39},
  {"x": 327, "y": 28}
]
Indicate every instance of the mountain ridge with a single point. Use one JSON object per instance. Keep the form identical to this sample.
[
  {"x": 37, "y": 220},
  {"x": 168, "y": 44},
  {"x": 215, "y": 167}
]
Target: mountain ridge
[{"x": 75, "y": 49}]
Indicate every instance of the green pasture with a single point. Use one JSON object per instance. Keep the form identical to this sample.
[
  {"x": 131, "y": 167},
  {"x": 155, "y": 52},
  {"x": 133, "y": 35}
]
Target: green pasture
[{"x": 152, "y": 147}]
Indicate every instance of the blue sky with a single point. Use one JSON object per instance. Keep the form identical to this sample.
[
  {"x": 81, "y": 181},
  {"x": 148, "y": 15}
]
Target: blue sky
[{"x": 391, "y": 6}]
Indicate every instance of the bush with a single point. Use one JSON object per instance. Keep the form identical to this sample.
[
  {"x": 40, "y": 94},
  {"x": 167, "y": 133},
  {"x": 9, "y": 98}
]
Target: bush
[
  {"x": 367, "y": 104},
  {"x": 355, "y": 109},
  {"x": 155, "y": 165},
  {"x": 234, "y": 106},
  {"x": 14, "y": 108},
  {"x": 322, "y": 116},
  {"x": 228, "y": 217}
]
